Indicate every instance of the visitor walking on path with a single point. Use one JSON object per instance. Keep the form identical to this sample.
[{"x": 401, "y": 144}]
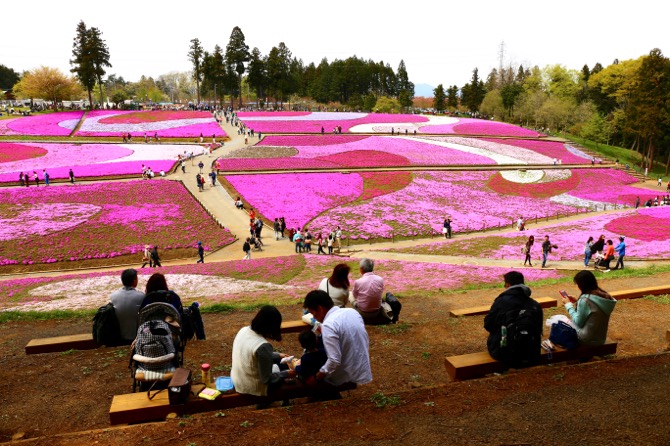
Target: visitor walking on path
[
  {"x": 71, "y": 174},
  {"x": 201, "y": 253},
  {"x": 588, "y": 252},
  {"x": 155, "y": 258},
  {"x": 247, "y": 249},
  {"x": 621, "y": 250},
  {"x": 526, "y": 250},
  {"x": 201, "y": 165},
  {"x": 546, "y": 250},
  {"x": 147, "y": 257},
  {"x": 446, "y": 227},
  {"x": 46, "y": 177}
]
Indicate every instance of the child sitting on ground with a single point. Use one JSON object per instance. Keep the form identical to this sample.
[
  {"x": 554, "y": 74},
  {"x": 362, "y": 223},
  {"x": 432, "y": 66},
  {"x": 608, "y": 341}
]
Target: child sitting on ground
[{"x": 312, "y": 359}]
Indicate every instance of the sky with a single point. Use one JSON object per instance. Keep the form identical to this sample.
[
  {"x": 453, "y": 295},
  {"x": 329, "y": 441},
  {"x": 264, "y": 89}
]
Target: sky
[{"x": 441, "y": 42}]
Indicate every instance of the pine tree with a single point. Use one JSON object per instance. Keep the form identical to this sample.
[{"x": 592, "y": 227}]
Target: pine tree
[
  {"x": 439, "y": 99},
  {"x": 404, "y": 87},
  {"x": 237, "y": 53},
  {"x": 82, "y": 61},
  {"x": 195, "y": 55}
]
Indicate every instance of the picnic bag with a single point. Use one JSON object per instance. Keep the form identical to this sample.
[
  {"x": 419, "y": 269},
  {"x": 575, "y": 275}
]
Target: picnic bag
[
  {"x": 106, "y": 329},
  {"x": 179, "y": 388},
  {"x": 564, "y": 335},
  {"x": 395, "y": 305},
  {"x": 520, "y": 345}
]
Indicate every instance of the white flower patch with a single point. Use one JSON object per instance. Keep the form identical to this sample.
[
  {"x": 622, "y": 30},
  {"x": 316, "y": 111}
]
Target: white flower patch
[
  {"x": 522, "y": 176},
  {"x": 569, "y": 200},
  {"x": 69, "y": 124},
  {"x": 556, "y": 175},
  {"x": 575, "y": 151},
  {"x": 157, "y": 152},
  {"x": 92, "y": 125},
  {"x": 527, "y": 156},
  {"x": 45, "y": 218},
  {"x": 497, "y": 157},
  {"x": 401, "y": 126},
  {"x": 316, "y": 116},
  {"x": 94, "y": 292}
]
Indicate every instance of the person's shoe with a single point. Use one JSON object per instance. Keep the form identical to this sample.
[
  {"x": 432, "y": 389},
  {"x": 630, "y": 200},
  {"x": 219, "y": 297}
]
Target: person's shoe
[{"x": 607, "y": 271}]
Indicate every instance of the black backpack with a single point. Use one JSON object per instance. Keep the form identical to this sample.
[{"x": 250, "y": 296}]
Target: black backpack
[
  {"x": 106, "y": 329},
  {"x": 520, "y": 338}
]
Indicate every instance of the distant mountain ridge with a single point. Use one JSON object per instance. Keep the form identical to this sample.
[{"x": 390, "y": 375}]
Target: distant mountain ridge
[{"x": 424, "y": 90}]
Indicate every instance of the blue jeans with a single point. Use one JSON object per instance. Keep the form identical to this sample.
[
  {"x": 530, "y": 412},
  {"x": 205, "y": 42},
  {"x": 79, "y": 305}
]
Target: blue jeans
[
  {"x": 587, "y": 257},
  {"x": 544, "y": 258},
  {"x": 619, "y": 262}
]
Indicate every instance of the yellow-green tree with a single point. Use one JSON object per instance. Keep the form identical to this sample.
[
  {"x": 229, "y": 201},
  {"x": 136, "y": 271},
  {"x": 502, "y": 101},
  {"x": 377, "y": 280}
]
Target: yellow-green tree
[{"x": 49, "y": 84}]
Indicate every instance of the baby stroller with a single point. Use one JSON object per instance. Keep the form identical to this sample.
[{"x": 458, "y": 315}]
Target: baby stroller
[
  {"x": 158, "y": 348},
  {"x": 256, "y": 243}
]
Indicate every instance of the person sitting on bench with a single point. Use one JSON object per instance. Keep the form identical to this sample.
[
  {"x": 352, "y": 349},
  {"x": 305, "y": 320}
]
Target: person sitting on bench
[
  {"x": 127, "y": 302},
  {"x": 344, "y": 338},
  {"x": 594, "y": 308},
  {"x": 366, "y": 295}
]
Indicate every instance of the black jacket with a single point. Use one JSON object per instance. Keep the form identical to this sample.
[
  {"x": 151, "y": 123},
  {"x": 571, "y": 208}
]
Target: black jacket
[{"x": 516, "y": 297}]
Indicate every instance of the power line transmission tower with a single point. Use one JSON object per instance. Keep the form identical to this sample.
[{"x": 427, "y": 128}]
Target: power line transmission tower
[{"x": 501, "y": 56}]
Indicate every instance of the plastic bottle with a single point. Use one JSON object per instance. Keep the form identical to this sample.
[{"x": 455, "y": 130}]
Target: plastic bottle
[
  {"x": 206, "y": 377},
  {"x": 503, "y": 338}
]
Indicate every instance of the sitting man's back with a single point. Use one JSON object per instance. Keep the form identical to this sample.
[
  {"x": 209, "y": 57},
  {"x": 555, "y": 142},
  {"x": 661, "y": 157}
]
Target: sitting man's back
[
  {"x": 367, "y": 295},
  {"x": 515, "y": 324},
  {"x": 126, "y": 302}
]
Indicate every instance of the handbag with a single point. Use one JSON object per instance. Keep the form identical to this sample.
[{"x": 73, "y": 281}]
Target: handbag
[
  {"x": 564, "y": 335},
  {"x": 179, "y": 388}
]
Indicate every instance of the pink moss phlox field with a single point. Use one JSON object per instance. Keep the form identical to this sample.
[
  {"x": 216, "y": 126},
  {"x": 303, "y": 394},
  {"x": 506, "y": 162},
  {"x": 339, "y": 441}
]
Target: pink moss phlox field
[
  {"x": 273, "y": 270},
  {"x": 610, "y": 186},
  {"x": 50, "y": 124},
  {"x": 297, "y": 197},
  {"x": 646, "y": 231},
  {"x": 403, "y": 276},
  {"x": 551, "y": 149},
  {"x": 184, "y": 124},
  {"x": 421, "y": 207},
  {"x": 481, "y": 127},
  {"x": 313, "y": 122},
  {"x": 86, "y": 160},
  {"x": 12, "y": 152},
  {"x": 282, "y": 163},
  {"x": 244, "y": 114},
  {"x": 136, "y": 212},
  {"x": 418, "y": 152},
  {"x": 310, "y": 140},
  {"x": 648, "y": 225}
]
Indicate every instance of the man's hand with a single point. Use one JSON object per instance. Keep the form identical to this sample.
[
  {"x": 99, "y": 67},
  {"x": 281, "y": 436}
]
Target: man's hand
[{"x": 320, "y": 376}]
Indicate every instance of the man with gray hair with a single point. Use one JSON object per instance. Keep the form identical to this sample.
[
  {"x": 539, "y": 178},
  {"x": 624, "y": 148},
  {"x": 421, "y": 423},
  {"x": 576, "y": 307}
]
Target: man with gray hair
[
  {"x": 366, "y": 295},
  {"x": 127, "y": 302}
]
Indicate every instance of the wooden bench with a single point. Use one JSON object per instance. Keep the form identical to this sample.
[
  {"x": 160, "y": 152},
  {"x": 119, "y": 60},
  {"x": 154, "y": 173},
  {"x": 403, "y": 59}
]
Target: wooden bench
[
  {"x": 476, "y": 365},
  {"x": 61, "y": 343},
  {"x": 545, "y": 302},
  {"x": 294, "y": 326},
  {"x": 138, "y": 408},
  {"x": 84, "y": 341},
  {"x": 637, "y": 293}
]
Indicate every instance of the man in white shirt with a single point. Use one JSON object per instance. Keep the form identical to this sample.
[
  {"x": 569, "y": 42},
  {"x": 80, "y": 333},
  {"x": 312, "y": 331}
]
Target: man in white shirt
[{"x": 345, "y": 339}]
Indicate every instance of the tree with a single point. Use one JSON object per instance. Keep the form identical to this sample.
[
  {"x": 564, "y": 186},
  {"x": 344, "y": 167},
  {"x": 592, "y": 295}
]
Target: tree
[
  {"x": 439, "y": 99},
  {"x": 279, "y": 72},
  {"x": 214, "y": 71},
  {"x": 387, "y": 105},
  {"x": 472, "y": 94},
  {"x": 509, "y": 95},
  {"x": 237, "y": 53},
  {"x": 48, "y": 83},
  {"x": 452, "y": 97},
  {"x": 90, "y": 57},
  {"x": 404, "y": 87},
  {"x": 8, "y": 77},
  {"x": 257, "y": 73},
  {"x": 195, "y": 55},
  {"x": 492, "y": 104},
  {"x": 82, "y": 61},
  {"x": 99, "y": 56}
]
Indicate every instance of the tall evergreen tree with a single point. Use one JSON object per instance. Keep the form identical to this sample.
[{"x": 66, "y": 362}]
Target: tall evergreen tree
[
  {"x": 452, "y": 97},
  {"x": 237, "y": 53},
  {"x": 439, "y": 99},
  {"x": 257, "y": 73},
  {"x": 473, "y": 92},
  {"x": 404, "y": 87},
  {"x": 8, "y": 77},
  {"x": 214, "y": 71},
  {"x": 82, "y": 60},
  {"x": 195, "y": 55},
  {"x": 99, "y": 56}
]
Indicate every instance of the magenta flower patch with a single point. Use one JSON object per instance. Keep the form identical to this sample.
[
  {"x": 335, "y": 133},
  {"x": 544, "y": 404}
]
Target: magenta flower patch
[
  {"x": 11, "y": 152},
  {"x": 312, "y": 123},
  {"x": 50, "y": 124},
  {"x": 71, "y": 223}
]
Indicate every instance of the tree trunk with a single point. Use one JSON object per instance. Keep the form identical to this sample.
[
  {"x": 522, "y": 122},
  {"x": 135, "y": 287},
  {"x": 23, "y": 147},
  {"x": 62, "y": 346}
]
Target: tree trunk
[
  {"x": 667, "y": 165},
  {"x": 651, "y": 154},
  {"x": 90, "y": 100},
  {"x": 101, "y": 98}
]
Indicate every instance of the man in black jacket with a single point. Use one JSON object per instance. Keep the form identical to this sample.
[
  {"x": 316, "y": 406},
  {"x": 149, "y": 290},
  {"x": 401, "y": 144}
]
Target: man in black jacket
[{"x": 514, "y": 324}]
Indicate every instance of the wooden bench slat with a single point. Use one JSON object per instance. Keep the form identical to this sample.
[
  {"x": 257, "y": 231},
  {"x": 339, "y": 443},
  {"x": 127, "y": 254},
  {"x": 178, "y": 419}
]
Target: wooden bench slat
[
  {"x": 637, "y": 293},
  {"x": 82, "y": 341},
  {"x": 476, "y": 365},
  {"x": 137, "y": 408},
  {"x": 294, "y": 326},
  {"x": 545, "y": 302}
]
